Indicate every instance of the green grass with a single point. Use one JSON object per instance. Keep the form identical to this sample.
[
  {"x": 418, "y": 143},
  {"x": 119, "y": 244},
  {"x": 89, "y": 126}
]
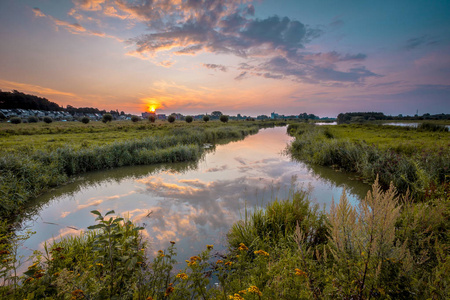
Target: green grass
[{"x": 415, "y": 160}]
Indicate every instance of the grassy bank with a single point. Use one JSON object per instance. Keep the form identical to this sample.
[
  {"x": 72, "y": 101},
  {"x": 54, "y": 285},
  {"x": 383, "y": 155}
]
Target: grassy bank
[
  {"x": 44, "y": 160},
  {"x": 414, "y": 159},
  {"x": 387, "y": 248}
]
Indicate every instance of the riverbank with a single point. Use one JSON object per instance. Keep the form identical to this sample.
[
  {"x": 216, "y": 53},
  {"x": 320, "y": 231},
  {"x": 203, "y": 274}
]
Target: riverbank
[
  {"x": 38, "y": 158},
  {"x": 413, "y": 159}
]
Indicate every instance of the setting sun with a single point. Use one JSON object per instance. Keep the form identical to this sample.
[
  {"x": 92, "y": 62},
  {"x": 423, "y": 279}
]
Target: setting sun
[{"x": 152, "y": 109}]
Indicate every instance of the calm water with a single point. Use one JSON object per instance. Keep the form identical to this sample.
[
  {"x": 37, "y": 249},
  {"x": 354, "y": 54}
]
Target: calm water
[{"x": 193, "y": 204}]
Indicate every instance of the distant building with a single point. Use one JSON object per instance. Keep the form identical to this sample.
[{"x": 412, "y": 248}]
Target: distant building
[
  {"x": 145, "y": 115},
  {"x": 161, "y": 116}
]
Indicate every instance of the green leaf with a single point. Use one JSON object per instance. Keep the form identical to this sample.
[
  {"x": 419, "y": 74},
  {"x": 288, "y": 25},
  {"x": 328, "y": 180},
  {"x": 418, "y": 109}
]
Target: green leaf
[
  {"x": 96, "y": 212},
  {"x": 110, "y": 212}
]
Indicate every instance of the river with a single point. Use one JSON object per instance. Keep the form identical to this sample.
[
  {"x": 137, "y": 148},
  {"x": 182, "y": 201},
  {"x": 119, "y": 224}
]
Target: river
[{"x": 193, "y": 204}]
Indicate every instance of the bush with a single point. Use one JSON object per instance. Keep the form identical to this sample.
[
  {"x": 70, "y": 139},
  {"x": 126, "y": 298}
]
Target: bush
[
  {"x": 171, "y": 119},
  {"x": 135, "y": 119},
  {"x": 107, "y": 118},
  {"x": 32, "y": 119},
  {"x": 15, "y": 120},
  {"x": 48, "y": 120},
  {"x": 431, "y": 127},
  {"x": 206, "y": 118},
  {"x": 224, "y": 118},
  {"x": 151, "y": 119},
  {"x": 85, "y": 120},
  {"x": 189, "y": 119}
]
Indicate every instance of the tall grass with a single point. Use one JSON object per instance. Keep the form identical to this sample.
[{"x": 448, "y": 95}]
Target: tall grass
[{"x": 418, "y": 170}]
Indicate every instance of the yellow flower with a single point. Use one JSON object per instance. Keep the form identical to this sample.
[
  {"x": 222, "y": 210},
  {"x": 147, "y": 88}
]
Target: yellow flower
[
  {"x": 169, "y": 291},
  {"x": 254, "y": 289},
  {"x": 235, "y": 297},
  {"x": 262, "y": 252},
  {"x": 242, "y": 247},
  {"x": 299, "y": 272},
  {"x": 195, "y": 258},
  {"x": 149, "y": 298},
  {"x": 209, "y": 247},
  {"x": 228, "y": 263},
  {"x": 219, "y": 262},
  {"x": 182, "y": 276},
  {"x": 243, "y": 292}
]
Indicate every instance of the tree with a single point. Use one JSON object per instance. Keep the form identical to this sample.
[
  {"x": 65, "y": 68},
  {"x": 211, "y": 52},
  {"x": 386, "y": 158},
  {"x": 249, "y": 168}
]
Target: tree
[
  {"x": 15, "y": 120},
  {"x": 48, "y": 120},
  {"x": 189, "y": 119},
  {"x": 134, "y": 119},
  {"x": 171, "y": 119},
  {"x": 107, "y": 118},
  {"x": 151, "y": 119},
  {"x": 206, "y": 118},
  {"x": 85, "y": 120},
  {"x": 216, "y": 114},
  {"x": 32, "y": 119},
  {"x": 224, "y": 118}
]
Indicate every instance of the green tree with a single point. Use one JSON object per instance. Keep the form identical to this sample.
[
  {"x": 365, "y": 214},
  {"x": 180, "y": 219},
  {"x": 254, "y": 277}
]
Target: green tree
[
  {"x": 189, "y": 119},
  {"x": 15, "y": 120},
  {"x": 151, "y": 119},
  {"x": 134, "y": 119},
  {"x": 48, "y": 120},
  {"x": 206, "y": 118},
  {"x": 85, "y": 120},
  {"x": 171, "y": 119},
  {"x": 224, "y": 118},
  {"x": 107, "y": 118}
]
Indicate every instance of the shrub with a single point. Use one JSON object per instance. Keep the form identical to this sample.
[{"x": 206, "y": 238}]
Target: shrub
[
  {"x": 224, "y": 118},
  {"x": 15, "y": 120},
  {"x": 431, "y": 127},
  {"x": 189, "y": 119},
  {"x": 107, "y": 118},
  {"x": 151, "y": 119},
  {"x": 32, "y": 119},
  {"x": 85, "y": 120},
  {"x": 48, "y": 120},
  {"x": 171, "y": 119},
  {"x": 135, "y": 119},
  {"x": 206, "y": 118}
]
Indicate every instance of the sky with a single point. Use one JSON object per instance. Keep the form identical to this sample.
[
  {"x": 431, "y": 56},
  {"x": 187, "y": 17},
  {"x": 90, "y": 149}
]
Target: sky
[{"x": 236, "y": 56}]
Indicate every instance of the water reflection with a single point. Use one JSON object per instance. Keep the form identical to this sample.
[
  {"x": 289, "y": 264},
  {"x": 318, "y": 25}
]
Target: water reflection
[{"x": 193, "y": 204}]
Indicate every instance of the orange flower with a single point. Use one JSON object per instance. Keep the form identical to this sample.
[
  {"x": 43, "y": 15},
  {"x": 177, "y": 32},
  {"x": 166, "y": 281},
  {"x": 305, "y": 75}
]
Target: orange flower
[
  {"x": 169, "y": 291},
  {"x": 254, "y": 289},
  {"x": 262, "y": 252},
  {"x": 209, "y": 247},
  {"x": 242, "y": 247}
]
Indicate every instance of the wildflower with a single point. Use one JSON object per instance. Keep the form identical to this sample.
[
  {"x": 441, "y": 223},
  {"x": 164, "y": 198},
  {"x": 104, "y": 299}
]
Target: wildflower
[
  {"x": 191, "y": 263},
  {"x": 169, "y": 291},
  {"x": 242, "y": 247},
  {"x": 195, "y": 258},
  {"x": 29, "y": 279},
  {"x": 4, "y": 252},
  {"x": 228, "y": 263},
  {"x": 100, "y": 264},
  {"x": 172, "y": 242},
  {"x": 262, "y": 252},
  {"x": 32, "y": 266},
  {"x": 56, "y": 274},
  {"x": 149, "y": 298},
  {"x": 254, "y": 289},
  {"x": 299, "y": 272},
  {"x": 161, "y": 255},
  {"x": 209, "y": 247},
  {"x": 182, "y": 276},
  {"x": 219, "y": 262},
  {"x": 243, "y": 292},
  {"x": 77, "y": 292},
  {"x": 235, "y": 297}
]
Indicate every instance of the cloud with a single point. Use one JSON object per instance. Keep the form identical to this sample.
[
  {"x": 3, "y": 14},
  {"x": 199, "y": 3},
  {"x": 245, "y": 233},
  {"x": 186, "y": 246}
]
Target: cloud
[
  {"x": 215, "y": 67},
  {"x": 241, "y": 76},
  {"x": 424, "y": 40},
  {"x": 31, "y": 88}
]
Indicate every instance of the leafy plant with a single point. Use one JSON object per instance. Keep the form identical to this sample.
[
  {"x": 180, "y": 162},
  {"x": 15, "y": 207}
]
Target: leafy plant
[
  {"x": 107, "y": 118},
  {"x": 15, "y": 120},
  {"x": 85, "y": 120},
  {"x": 135, "y": 119},
  {"x": 189, "y": 119},
  {"x": 224, "y": 118},
  {"x": 171, "y": 119},
  {"x": 47, "y": 120},
  {"x": 205, "y": 118}
]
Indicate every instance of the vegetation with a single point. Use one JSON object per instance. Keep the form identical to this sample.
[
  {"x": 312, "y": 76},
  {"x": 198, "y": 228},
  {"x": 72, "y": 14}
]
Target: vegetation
[
  {"x": 189, "y": 119},
  {"x": 224, "y": 118},
  {"x": 134, "y": 119},
  {"x": 47, "y": 120},
  {"x": 15, "y": 99},
  {"x": 85, "y": 120},
  {"x": 151, "y": 119},
  {"x": 205, "y": 118},
  {"x": 386, "y": 248},
  {"x": 107, "y": 118},
  {"x": 15, "y": 120},
  {"x": 33, "y": 119},
  {"x": 171, "y": 119},
  {"x": 412, "y": 159}
]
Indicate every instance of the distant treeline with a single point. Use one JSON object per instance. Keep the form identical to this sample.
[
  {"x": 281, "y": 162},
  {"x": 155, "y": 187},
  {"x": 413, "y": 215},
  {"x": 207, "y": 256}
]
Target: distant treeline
[
  {"x": 358, "y": 117},
  {"x": 16, "y": 99}
]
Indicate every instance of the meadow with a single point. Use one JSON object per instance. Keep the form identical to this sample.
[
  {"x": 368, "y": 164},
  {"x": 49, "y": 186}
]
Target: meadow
[{"x": 393, "y": 245}]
